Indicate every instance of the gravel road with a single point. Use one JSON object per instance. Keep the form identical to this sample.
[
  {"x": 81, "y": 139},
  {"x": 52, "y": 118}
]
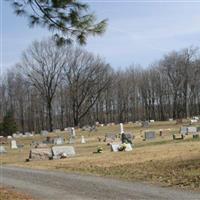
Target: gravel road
[{"x": 45, "y": 185}]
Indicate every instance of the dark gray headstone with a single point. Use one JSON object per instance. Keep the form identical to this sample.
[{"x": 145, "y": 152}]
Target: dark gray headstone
[{"x": 150, "y": 135}]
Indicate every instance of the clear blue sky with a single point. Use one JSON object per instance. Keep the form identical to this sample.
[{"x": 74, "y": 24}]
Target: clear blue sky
[{"x": 139, "y": 32}]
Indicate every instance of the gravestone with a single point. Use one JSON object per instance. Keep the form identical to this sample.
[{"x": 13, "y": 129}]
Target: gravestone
[
  {"x": 170, "y": 119},
  {"x": 82, "y": 140},
  {"x": 28, "y": 134},
  {"x": 184, "y": 130},
  {"x": 9, "y": 137},
  {"x": 58, "y": 141},
  {"x": 192, "y": 129},
  {"x": 115, "y": 147},
  {"x": 44, "y": 133},
  {"x": 13, "y": 144},
  {"x": 193, "y": 121},
  {"x": 145, "y": 124},
  {"x": 196, "y": 118},
  {"x": 152, "y": 121},
  {"x": 2, "y": 150},
  {"x": 40, "y": 154},
  {"x": 150, "y": 135},
  {"x": 73, "y": 132},
  {"x": 121, "y": 128},
  {"x": 58, "y": 151},
  {"x": 198, "y": 129},
  {"x": 128, "y": 147}
]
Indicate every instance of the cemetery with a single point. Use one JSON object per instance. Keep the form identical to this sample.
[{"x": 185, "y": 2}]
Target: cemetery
[{"x": 154, "y": 149}]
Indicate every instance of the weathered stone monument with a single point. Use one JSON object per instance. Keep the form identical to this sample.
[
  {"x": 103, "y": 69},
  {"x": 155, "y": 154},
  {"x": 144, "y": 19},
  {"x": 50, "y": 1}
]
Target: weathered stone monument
[
  {"x": 58, "y": 141},
  {"x": 192, "y": 129},
  {"x": 149, "y": 135},
  {"x": 121, "y": 128},
  {"x": 2, "y": 150},
  {"x": 82, "y": 140},
  {"x": 183, "y": 130},
  {"x": 44, "y": 133},
  {"x": 145, "y": 124},
  {"x": 13, "y": 144},
  {"x": 40, "y": 154}
]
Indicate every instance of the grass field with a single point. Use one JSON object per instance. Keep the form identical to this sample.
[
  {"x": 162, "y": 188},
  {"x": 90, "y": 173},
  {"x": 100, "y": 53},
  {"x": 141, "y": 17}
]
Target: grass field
[{"x": 162, "y": 161}]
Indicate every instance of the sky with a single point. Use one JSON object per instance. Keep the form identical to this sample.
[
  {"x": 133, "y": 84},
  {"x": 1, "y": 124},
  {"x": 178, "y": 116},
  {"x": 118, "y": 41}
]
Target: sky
[{"x": 139, "y": 32}]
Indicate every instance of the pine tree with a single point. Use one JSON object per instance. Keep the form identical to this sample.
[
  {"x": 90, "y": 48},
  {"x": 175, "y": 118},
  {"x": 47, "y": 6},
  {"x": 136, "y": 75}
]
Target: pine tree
[
  {"x": 9, "y": 124},
  {"x": 68, "y": 19}
]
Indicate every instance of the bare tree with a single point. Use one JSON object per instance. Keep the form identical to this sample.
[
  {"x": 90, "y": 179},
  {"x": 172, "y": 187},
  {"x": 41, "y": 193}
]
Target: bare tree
[{"x": 43, "y": 63}]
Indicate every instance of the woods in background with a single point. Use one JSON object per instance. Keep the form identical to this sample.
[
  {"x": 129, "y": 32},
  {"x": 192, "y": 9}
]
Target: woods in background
[{"x": 57, "y": 87}]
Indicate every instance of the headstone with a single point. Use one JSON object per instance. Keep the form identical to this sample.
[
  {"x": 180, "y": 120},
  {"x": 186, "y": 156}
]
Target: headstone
[
  {"x": 121, "y": 128},
  {"x": 28, "y": 134},
  {"x": 73, "y": 132},
  {"x": 115, "y": 147},
  {"x": 150, "y": 135},
  {"x": 196, "y": 118},
  {"x": 44, "y": 133},
  {"x": 9, "y": 137},
  {"x": 128, "y": 147},
  {"x": 145, "y": 124},
  {"x": 71, "y": 140},
  {"x": 192, "y": 129},
  {"x": 2, "y": 150},
  {"x": 82, "y": 140},
  {"x": 40, "y": 154},
  {"x": 58, "y": 141},
  {"x": 198, "y": 129},
  {"x": 57, "y": 130},
  {"x": 170, "y": 119},
  {"x": 184, "y": 130},
  {"x": 193, "y": 121},
  {"x": 152, "y": 121},
  {"x": 58, "y": 151},
  {"x": 13, "y": 144}
]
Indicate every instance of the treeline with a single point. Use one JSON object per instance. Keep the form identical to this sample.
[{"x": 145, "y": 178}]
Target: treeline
[{"x": 56, "y": 87}]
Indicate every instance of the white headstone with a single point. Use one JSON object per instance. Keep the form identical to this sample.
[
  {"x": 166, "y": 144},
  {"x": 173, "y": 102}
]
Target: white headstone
[
  {"x": 44, "y": 133},
  {"x": 170, "y": 119},
  {"x": 151, "y": 121},
  {"x": 73, "y": 132},
  {"x": 192, "y": 121},
  {"x": 9, "y": 137},
  {"x": 128, "y": 147},
  {"x": 184, "y": 130},
  {"x": 58, "y": 141},
  {"x": 115, "y": 147},
  {"x": 82, "y": 140},
  {"x": 121, "y": 128},
  {"x": 13, "y": 144}
]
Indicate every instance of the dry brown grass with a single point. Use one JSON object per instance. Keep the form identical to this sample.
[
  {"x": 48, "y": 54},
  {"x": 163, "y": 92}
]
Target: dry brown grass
[
  {"x": 11, "y": 194},
  {"x": 163, "y": 160}
]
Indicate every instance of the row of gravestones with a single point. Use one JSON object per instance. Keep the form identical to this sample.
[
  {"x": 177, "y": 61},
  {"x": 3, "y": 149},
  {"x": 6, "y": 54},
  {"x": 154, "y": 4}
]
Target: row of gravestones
[{"x": 188, "y": 130}]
